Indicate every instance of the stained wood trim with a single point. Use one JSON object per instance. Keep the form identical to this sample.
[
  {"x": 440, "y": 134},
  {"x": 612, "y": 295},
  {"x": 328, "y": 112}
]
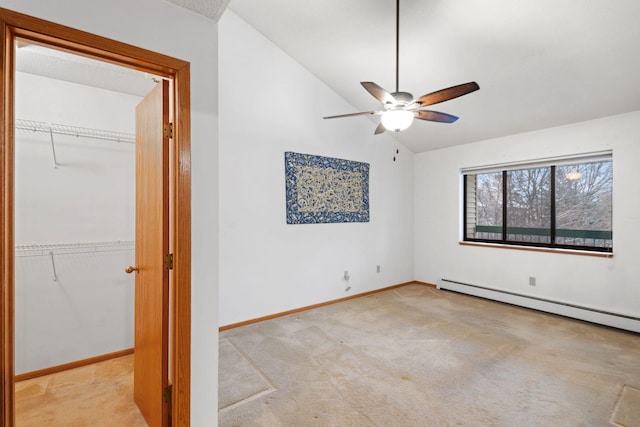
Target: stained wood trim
[
  {"x": 84, "y": 43},
  {"x": 6, "y": 230},
  {"x": 322, "y": 304},
  {"x": 72, "y": 365},
  {"x": 181, "y": 301},
  {"x": 538, "y": 249},
  {"x": 430, "y": 285},
  {"x": 13, "y": 24}
]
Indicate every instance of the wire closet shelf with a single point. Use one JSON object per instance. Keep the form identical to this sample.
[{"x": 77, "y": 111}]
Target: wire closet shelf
[
  {"x": 73, "y": 248},
  {"x": 59, "y": 129}
]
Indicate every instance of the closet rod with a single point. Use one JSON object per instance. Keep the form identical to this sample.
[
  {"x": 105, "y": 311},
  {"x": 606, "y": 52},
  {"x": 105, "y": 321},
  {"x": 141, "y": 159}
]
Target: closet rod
[{"x": 58, "y": 129}]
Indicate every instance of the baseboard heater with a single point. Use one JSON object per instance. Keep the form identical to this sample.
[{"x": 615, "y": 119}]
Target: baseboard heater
[{"x": 603, "y": 317}]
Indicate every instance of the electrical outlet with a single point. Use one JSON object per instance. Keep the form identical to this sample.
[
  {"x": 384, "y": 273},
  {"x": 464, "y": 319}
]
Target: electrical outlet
[
  {"x": 532, "y": 281},
  {"x": 377, "y": 269}
]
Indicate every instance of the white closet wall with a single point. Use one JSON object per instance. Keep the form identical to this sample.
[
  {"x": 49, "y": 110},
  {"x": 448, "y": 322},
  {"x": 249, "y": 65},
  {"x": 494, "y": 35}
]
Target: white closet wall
[{"x": 77, "y": 303}]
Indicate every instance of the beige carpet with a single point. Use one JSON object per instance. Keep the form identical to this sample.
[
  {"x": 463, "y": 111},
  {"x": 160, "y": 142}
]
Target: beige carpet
[
  {"x": 627, "y": 411},
  {"x": 97, "y": 395},
  {"x": 241, "y": 383},
  {"x": 416, "y": 356}
]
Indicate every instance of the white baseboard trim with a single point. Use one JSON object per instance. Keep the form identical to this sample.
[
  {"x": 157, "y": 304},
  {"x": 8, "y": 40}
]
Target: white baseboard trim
[{"x": 589, "y": 314}]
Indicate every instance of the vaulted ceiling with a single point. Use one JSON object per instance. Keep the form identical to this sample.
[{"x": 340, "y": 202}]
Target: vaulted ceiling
[{"x": 539, "y": 63}]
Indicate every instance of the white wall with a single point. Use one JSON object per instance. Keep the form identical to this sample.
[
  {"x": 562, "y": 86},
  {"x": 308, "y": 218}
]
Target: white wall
[
  {"x": 269, "y": 104},
  {"x": 85, "y": 307},
  {"x": 84, "y": 310},
  {"x": 163, "y": 27},
  {"x": 608, "y": 284},
  {"x": 90, "y": 197}
]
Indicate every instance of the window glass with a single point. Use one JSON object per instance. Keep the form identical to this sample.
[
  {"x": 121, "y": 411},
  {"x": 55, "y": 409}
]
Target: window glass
[
  {"x": 565, "y": 206},
  {"x": 489, "y": 206},
  {"x": 583, "y": 204},
  {"x": 529, "y": 205}
]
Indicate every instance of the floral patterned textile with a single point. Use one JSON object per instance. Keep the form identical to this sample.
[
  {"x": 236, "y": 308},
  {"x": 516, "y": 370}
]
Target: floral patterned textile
[{"x": 325, "y": 189}]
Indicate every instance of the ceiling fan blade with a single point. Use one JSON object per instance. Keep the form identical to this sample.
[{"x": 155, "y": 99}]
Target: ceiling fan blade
[
  {"x": 435, "y": 116},
  {"x": 362, "y": 113},
  {"x": 380, "y": 129},
  {"x": 378, "y": 93},
  {"x": 447, "y": 94}
]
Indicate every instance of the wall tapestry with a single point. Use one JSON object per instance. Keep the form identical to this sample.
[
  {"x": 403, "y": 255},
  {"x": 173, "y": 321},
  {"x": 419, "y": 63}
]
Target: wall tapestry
[{"x": 324, "y": 189}]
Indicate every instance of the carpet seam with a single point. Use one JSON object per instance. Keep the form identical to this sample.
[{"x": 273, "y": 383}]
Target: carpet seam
[{"x": 253, "y": 365}]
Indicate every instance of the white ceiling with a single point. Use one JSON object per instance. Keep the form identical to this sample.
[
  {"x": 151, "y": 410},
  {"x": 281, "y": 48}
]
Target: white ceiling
[
  {"x": 60, "y": 65},
  {"x": 539, "y": 63},
  {"x": 210, "y": 8}
]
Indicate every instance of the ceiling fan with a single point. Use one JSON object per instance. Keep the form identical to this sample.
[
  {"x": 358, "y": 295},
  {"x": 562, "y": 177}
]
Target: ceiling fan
[{"x": 400, "y": 108}]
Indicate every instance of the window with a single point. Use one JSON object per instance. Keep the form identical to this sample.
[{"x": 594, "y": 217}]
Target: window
[{"x": 563, "y": 204}]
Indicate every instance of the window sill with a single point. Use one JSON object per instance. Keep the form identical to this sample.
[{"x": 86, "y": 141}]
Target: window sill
[{"x": 537, "y": 249}]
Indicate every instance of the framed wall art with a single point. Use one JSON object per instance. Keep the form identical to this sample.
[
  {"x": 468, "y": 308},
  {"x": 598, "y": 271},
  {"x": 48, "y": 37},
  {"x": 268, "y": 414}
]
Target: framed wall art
[{"x": 325, "y": 189}]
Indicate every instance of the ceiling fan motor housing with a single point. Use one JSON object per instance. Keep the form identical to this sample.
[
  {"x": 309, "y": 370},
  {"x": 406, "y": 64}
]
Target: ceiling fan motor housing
[{"x": 402, "y": 97}]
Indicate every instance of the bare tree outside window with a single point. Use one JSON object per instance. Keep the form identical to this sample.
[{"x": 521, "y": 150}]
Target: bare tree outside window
[
  {"x": 529, "y": 205},
  {"x": 489, "y": 202},
  {"x": 583, "y": 202},
  {"x": 571, "y": 211}
]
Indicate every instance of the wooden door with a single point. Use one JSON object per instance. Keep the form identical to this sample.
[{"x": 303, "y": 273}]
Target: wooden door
[{"x": 152, "y": 244}]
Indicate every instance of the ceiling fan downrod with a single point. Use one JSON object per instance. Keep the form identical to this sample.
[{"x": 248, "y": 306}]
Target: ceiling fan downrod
[{"x": 397, "y": 45}]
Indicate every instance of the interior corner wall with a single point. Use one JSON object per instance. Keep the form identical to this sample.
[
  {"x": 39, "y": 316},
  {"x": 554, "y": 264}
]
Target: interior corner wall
[
  {"x": 166, "y": 28},
  {"x": 270, "y": 104},
  {"x": 609, "y": 284}
]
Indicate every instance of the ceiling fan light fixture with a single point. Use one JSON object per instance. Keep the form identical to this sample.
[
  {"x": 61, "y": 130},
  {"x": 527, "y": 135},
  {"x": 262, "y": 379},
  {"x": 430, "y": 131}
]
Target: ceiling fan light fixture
[
  {"x": 397, "y": 120},
  {"x": 400, "y": 108},
  {"x": 573, "y": 174}
]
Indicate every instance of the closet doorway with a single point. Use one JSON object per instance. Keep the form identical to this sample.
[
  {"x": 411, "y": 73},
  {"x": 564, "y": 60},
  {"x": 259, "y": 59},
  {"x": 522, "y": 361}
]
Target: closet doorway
[
  {"x": 74, "y": 234},
  {"x": 161, "y": 197}
]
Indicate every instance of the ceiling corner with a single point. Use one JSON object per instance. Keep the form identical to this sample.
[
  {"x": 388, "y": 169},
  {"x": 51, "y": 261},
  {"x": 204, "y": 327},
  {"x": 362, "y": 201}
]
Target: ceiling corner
[{"x": 212, "y": 9}]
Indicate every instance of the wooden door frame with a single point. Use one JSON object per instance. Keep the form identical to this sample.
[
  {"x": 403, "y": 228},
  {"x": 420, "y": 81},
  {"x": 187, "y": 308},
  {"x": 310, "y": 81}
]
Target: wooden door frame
[{"x": 12, "y": 25}]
